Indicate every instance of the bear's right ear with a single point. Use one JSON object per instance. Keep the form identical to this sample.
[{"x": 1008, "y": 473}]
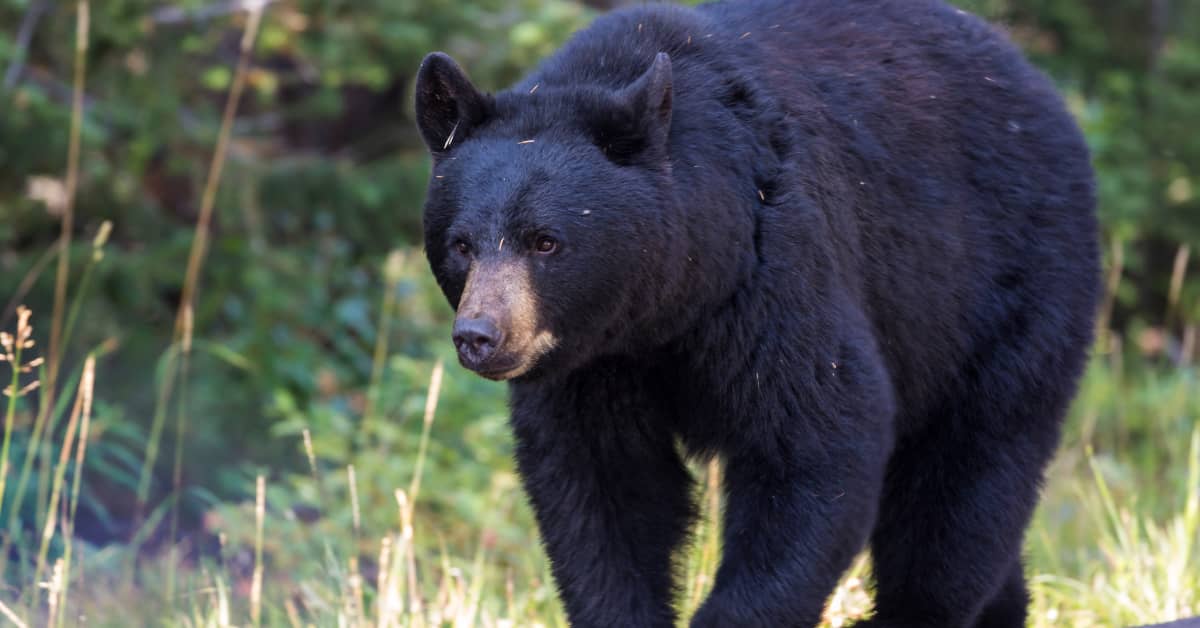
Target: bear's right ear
[
  {"x": 447, "y": 104},
  {"x": 649, "y": 98},
  {"x": 639, "y": 120}
]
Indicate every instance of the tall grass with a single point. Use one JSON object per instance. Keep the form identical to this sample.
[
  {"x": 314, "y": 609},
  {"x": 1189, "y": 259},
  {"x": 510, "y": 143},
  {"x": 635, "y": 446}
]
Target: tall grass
[
  {"x": 1141, "y": 570},
  {"x": 45, "y": 419},
  {"x": 82, "y": 20},
  {"x": 48, "y": 375},
  {"x": 86, "y": 389},
  {"x": 78, "y": 423},
  {"x": 14, "y": 347},
  {"x": 177, "y": 359}
]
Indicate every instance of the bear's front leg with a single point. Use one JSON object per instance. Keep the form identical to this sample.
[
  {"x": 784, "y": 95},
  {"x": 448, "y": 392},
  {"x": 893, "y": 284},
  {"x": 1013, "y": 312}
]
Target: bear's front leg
[
  {"x": 804, "y": 470},
  {"x": 612, "y": 496},
  {"x": 789, "y": 535}
]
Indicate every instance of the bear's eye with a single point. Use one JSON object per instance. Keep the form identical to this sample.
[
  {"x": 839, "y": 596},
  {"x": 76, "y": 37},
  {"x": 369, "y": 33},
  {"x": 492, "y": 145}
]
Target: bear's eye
[
  {"x": 545, "y": 245},
  {"x": 462, "y": 247}
]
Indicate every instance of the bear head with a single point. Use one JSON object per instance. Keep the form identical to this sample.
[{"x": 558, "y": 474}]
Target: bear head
[{"x": 549, "y": 222}]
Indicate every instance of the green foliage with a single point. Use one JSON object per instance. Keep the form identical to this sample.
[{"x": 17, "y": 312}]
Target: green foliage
[{"x": 327, "y": 177}]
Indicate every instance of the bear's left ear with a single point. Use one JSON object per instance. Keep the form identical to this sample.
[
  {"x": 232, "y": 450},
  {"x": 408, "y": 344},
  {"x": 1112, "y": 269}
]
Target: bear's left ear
[
  {"x": 448, "y": 106},
  {"x": 641, "y": 119}
]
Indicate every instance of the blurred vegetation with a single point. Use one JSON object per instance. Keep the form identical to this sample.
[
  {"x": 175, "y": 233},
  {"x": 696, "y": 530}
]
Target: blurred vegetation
[{"x": 303, "y": 323}]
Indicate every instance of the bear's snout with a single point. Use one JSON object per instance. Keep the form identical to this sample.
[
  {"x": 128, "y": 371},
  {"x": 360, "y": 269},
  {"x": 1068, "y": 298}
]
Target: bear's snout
[
  {"x": 476, "y": 340},
  {"x": 497, "y": 332}
]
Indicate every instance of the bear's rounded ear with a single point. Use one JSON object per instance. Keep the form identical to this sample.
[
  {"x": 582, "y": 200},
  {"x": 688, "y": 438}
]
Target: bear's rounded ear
[
  {"x": 649, "y": 98},
  {"x": 447, "y": 104}
]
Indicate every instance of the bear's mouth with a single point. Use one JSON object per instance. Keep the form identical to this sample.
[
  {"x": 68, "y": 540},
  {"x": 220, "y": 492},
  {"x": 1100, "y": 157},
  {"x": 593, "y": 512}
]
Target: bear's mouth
[
  {"x": 507, "y": 365},
  {"x": 503, "y": 373},
  {"x": 498, "y": 367}
]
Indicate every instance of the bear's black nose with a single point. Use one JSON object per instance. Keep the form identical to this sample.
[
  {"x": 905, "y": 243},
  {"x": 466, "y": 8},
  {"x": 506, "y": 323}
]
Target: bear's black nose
[{"x": 476, "y": 339}]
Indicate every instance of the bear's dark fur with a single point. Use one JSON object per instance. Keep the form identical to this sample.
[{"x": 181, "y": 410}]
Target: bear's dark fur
[{"x": 848, "y": 247}]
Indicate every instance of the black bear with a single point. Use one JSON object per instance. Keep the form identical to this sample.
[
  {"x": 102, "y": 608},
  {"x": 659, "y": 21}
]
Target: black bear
[{"x": 848, "y": 247}]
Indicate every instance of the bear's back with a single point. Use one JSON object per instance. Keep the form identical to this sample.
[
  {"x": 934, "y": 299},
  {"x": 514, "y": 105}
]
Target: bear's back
[{"x": 958, "y": 187}]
